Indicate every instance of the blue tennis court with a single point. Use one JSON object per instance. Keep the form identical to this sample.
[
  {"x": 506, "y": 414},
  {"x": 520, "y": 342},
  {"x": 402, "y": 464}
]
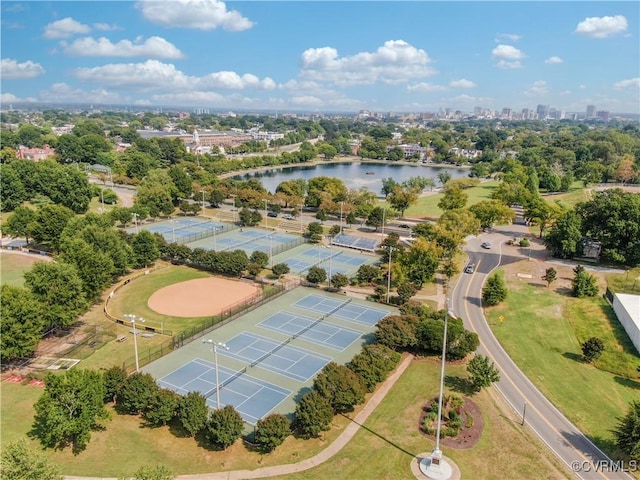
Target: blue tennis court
[
  {"x": 251, "y": 397},
  {"x": 352, "y": 312},
  {"x": 323, "y": 333},
  {"x": 293, "y": 362}
]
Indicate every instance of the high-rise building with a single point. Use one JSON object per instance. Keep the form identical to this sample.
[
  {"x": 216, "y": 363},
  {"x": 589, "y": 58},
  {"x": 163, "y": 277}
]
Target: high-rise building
[
  {"x": 525, "y": 113},
  {"x": 603, "y": 115},
  {"x": 542, "y": 111},
  {"x": 591, "y": 111}
]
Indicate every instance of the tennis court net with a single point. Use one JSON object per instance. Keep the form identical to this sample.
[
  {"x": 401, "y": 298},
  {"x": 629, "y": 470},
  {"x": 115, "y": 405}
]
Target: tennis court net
[
  {"x": 226, "y": 382},
  {"x": 316, "y": 322}
]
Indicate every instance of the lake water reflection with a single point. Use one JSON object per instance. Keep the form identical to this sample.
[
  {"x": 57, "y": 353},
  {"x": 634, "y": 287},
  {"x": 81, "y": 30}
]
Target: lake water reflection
[{"x": 354, "y": 175}]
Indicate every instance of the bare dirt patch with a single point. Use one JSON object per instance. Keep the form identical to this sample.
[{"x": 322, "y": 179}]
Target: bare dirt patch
[
  {"x": 200, "y": 297},
  {"x": 469, "y": 434}
]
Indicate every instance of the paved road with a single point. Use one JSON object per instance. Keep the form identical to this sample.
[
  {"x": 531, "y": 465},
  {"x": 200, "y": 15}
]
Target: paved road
[{"x": 554, "y": 429}]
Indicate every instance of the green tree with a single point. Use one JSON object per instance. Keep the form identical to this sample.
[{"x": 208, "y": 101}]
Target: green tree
[
  {"x": 406, "y": 291},
  {"x": 21, "y": 462},
  {"x": 280, "y": 269},
  {"x": 483, "y": 372},
  {"x": 564, "y": 239},
  {"x": 550, "y": 276},
  {"x": 492, "y": 212},
  {"x": 339, "y": 281},
  {"x": 114, "y": 379},
  {"x": 157, "y": 472},
  {"x": 342, "y": 387},
  {"x": 19, "y": 223},
  {"x": 21, "y": 322},
  {"x": 95, "y": 268},
  {"x": 49, "y": 223},
  {"x": 397, "y": 332},
  {"x": 261, "y": 258},
  {"x": 454, "y": 197},
  {"x": 367, "y": 273},
  {"x": 137, "y": 393},
  {"x": 316, "y": 275},
  {"x": 627, "y": 433},
  {"x": 495, "y": 290},
  {"x": 162, "y": 408},
  {"x": 421, "y": 261},
  {"x": 12, "y": 188},
  {"x": 271, "y": 431},
  {"x": 402, "y": 198},
  {"x": 583, "y": 283},
  {"x": 193, "y": 412},
  {"x": 224, "y": 427},
  {"x": 388, "y": 184},
  {"x": 313, "y": 414},
  {"x": 376, "y": 218},
  {"x": 145, "y": 248},
  {"x": 314, "y": 228},
  {"x": 70, "y": 408},
  {"x": 592, "y": 349},
  {"x": 374, "y": 363},
  {"x": 59, "y": 289}
]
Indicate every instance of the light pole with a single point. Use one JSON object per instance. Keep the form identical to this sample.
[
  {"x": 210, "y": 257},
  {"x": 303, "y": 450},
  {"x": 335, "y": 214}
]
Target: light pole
[
  {"x": 215, "y": 346},
  {"x": 265, "y": 214},
  {"x": 135, "y": 220},
  {"x": 202, "y": 192},
  {"x": 330, "y": 267},
  {"x": 132, "y": 318},
  {"x": 341, "y": 217},
  {"x": 389, "y": 274}
]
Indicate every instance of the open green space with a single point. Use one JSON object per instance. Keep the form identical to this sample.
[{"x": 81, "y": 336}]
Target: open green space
[
  {"x": 542, "y": 331},
  {"x": 13, "y": 266},
  {"x": 383, "y": 448},
  {"x": 576, "y": 194},
  {"x": 628, "y": 282},
  {"x": 427, "y": 206}
]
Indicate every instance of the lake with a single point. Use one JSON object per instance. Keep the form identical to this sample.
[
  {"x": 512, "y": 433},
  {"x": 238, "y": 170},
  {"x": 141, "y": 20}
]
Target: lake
[{"x": 354, "y": 175}]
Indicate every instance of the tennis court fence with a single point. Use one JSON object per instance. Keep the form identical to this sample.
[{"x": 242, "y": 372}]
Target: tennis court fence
[
  {"x": 210, "y": 232},
  {"x": 319, "y": 262}
]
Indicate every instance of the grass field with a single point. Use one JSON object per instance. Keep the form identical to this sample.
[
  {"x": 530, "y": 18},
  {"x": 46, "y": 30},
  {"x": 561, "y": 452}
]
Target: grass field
[
  {"x": 628, "y": 282},
  {"x": 13, "y": 266},
  {"x": 382, "y": 449},
  {"x": 542, "y": 332},
  {"x": 427, "y": 207}
]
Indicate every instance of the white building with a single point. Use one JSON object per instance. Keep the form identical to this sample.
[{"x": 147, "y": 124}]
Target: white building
[{"x": 627, "y": 308}]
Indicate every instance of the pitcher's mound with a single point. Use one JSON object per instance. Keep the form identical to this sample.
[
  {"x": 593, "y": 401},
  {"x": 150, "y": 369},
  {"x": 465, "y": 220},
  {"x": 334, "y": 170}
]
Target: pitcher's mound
[{"x": 200, "y": 297}]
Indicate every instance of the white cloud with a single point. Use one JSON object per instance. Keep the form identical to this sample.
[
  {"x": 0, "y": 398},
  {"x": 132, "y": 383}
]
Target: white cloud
[
  {"x": 468, "y": 100},
  {"x": 12, "y": 70},
  {"x": 631, "y": 82},
  {"x": 538, "y": 89},
  {"x": 462, "y": 83},
  {"x": 62, "y": 93},
  {"x": 508, "y": 57},
  {"x": 11, "y": 98},
  {"x": 198, "y": 14},
  {"x": 424, "y": 87},
  {"x": 394, "y": 62},
  {"x": 602, "y": 27},
  {"x": 501, "y": 37},
  {"x": 65, "y": 28},
  {"x": 553, "y": 60},
  {"x": 105, "y": 27},
  {"x": 507, "y": 52},
  {"x": 582, "y": 87},
  {"x": 153, "y": 47},
  {"x": 154, "y": 75},
  {"x": 504, "y": 64}
]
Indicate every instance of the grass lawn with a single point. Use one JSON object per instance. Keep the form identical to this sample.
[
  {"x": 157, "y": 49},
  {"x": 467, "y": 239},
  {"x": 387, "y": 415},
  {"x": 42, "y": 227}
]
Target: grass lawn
[
  {"x": 569, "y": 199},
  {"x": 13, "y": 266},
  {"x": 427, "y": 207},
  {"x": 542, "y": 332},
  {"x": 628, "y": 282},
  {"x": 382, "y": 449}
]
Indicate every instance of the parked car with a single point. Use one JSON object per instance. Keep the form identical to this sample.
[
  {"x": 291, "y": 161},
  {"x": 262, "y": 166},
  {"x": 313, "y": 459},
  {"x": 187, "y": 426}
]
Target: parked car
[
  {"x": 486, "y": 245},
  {"x": 288, "y": 216},
  {"x": 272, "y": 214},
  {"x": 404, "y": 225},
  {"x": 470, "y": 268}
]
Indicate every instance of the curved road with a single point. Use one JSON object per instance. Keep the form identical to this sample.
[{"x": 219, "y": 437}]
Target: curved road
[{"x": 580, "y": 455}]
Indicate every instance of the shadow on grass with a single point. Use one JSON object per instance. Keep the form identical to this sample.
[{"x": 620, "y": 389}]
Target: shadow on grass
[
  {"x": 573, "y": 356},
  {"x": 395, "y": 445},
  {"x": 627, "y": 382},
  {"x": 459, "y": 385}
]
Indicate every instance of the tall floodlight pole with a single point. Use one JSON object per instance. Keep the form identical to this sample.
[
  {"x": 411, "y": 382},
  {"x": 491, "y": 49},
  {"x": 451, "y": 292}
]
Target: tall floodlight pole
[
  {"x": 132, "y": 318},
  {"x": 330, "y": 260},
  {"x": 202, "y": 192},
  {"x": 389, "y": 274},
  {"x": 215, "y": 346},
  {"x": 265, "y": 214}
]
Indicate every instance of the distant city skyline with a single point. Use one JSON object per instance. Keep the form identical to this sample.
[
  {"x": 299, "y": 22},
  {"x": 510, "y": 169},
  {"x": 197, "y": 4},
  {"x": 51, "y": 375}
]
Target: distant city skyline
[{"x": 324, "y": 56}]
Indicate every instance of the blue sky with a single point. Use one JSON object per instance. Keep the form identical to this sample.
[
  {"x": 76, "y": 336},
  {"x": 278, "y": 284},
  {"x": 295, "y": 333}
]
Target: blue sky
[{"x": 323, "y": 56}]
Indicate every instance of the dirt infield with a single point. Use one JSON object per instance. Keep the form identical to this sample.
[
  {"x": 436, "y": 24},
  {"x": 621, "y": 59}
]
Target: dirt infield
[{"x": 200, "y": 297}]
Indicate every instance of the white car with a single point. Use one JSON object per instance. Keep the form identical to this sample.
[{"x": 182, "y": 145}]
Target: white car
[
  {"x": 288, "y": 216},
  {"x": 486, "y": 245}
]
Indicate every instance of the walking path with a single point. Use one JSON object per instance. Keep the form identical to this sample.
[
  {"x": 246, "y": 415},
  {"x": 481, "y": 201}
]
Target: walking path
[{"x": 321, "y": 457}]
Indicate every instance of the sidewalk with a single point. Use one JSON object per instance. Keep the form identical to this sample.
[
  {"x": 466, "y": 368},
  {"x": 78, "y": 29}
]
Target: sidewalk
[{"x": 321, "y": 457}]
